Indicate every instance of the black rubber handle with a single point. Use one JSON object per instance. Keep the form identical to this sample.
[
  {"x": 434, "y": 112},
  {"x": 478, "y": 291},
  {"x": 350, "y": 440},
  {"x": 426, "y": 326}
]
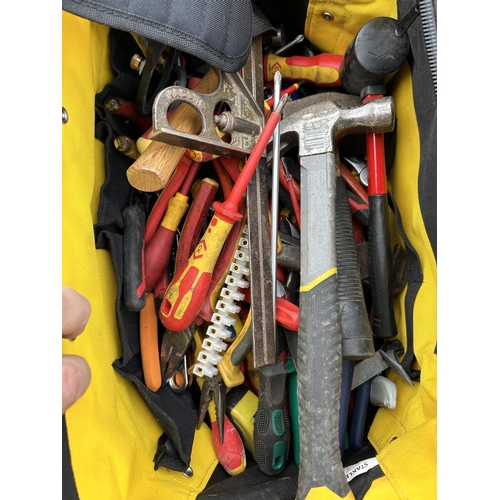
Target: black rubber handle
[
  {"x": 134, "y": 285},
  {"x": 357, "y": 337},
  {"x": 380, "y": 264},
  {"x": 271, "y": 437}
]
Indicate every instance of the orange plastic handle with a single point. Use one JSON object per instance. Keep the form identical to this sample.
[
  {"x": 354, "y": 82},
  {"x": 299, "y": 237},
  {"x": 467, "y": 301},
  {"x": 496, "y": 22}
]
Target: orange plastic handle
[{"x": 150, "y": 353}]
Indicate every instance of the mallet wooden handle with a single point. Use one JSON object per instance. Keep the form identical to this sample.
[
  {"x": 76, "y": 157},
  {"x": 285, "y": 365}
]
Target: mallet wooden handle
[{"x": 157, "y": 163}]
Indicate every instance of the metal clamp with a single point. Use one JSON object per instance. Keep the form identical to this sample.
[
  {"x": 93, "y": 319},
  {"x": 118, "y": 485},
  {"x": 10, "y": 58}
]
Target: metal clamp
[{"x": 232, "y": 92}]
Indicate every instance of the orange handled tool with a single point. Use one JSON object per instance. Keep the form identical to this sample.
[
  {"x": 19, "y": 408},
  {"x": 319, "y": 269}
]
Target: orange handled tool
[
  {"x": 185, "y": 294},
  {"x": 322, "y": 70},
  {"x": 150, "y": 352}
]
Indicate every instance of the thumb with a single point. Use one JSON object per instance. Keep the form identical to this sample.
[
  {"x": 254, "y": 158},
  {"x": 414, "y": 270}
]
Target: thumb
[{"x": 75, "y": 379}]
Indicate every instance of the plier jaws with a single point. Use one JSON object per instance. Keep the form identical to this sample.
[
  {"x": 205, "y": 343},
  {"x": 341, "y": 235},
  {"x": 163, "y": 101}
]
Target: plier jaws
[
  {"x": 213, "y": 388},
  {"x": 174, "y": 347}
]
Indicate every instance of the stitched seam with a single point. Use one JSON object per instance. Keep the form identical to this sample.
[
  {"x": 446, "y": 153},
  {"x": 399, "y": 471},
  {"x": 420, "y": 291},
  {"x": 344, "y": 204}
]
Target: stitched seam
[{"x": 160, "y": 26}]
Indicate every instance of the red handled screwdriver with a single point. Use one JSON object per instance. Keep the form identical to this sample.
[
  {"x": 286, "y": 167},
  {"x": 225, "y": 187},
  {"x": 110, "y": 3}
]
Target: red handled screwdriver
[
  {"x": 322, "y": 70},
  {"x": 185, "y": 294}
]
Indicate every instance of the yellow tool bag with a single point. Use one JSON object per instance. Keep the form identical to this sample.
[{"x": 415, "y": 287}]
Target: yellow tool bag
[{"x": 193, "y": 395}]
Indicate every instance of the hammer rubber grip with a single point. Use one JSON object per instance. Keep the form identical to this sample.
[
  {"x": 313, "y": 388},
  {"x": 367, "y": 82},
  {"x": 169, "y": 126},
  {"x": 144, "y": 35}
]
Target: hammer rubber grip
[
  {"x": 319, "y": 338},
  {"x": 380, "y": 265},
  {"x": 357, "y": 337},
  {"x": 319, "y": 370}
]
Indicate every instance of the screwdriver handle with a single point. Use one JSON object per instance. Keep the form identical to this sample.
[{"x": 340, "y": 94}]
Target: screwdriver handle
[
  {"x": 194, "y": 221},
  {"x": 185, "y": 294},
  {"x": 229, "y": 366},
  {"x": 157, "y": 251},
  {"x": 161, "y": 205},
  {"x": 134, "y": 283},
  {"x": 322, "y": 70},
  {"x": 230, "y": 449},
  {"x": 271, "y": 435},
  {"x": 150, "y": 353},
  {"x": 287, "y": 314}
]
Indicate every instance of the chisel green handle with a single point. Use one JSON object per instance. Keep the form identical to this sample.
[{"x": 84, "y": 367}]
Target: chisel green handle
[
  {"x": 380, "y": 264},
  {"x": 271, "y": 435}
]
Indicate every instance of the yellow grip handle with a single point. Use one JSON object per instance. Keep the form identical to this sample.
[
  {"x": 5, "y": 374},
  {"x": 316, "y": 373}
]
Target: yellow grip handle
[
  {"x": 177, "y": 208},
  {"x": 230, "y": 373}
]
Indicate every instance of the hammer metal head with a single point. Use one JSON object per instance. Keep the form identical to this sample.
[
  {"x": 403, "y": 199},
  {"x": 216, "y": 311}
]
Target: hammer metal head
[{"x": 315, "y": 124}]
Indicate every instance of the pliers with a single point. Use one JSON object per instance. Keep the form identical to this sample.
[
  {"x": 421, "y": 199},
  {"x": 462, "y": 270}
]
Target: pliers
[
  {"x": 174, "y": 347},
  {"x": 213, "y": 388}
]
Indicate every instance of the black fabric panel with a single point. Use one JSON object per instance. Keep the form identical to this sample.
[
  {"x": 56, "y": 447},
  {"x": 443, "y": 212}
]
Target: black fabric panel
[
  {"x": 252, "y": 484},
  {"x": 69, "y": 491},
  {"x": 361, "y": 483},
  {"x": 220, "y": 33},
  {"x": 175, "y": 412},
  {"x": 425, "y": 101}
]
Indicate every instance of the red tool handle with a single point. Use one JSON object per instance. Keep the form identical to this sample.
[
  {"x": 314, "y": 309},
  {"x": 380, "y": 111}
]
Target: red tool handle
[
  {"x": 158, "y": 211},
  {"x": 287, "y": 314},
  {"x": 379, "y": 248},
  {"x": 323, "y": 69}
]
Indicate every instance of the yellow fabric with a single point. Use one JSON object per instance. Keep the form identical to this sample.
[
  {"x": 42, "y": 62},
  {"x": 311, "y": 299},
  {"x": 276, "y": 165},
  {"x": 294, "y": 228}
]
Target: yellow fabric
[
  {"x": 334, "y": 35},
  {"x": 381, "y": 489},
  {"x": 324, "y": 493},
  {"x": 112, "y": 434},
  {"x": 410, "y": 461}
]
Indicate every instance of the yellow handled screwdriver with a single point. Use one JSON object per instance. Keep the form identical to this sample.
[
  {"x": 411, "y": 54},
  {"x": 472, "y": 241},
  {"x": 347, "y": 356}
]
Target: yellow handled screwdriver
[{"x": 185, "y": 294}]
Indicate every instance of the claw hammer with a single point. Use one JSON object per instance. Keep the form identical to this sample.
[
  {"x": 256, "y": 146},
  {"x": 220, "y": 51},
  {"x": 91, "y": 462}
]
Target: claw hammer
[{"x": 318, "y": 127}]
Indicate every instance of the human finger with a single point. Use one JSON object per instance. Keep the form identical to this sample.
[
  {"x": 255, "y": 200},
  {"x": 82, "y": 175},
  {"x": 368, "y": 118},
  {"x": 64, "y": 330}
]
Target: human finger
[
  {"x": 75, "y": 379},
  {"x": 75, "y": 312}
]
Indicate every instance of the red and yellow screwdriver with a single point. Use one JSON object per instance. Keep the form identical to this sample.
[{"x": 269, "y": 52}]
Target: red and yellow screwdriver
[
  {"x": 185, "y": 294},
  {"x": 322, "y": 69}
]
